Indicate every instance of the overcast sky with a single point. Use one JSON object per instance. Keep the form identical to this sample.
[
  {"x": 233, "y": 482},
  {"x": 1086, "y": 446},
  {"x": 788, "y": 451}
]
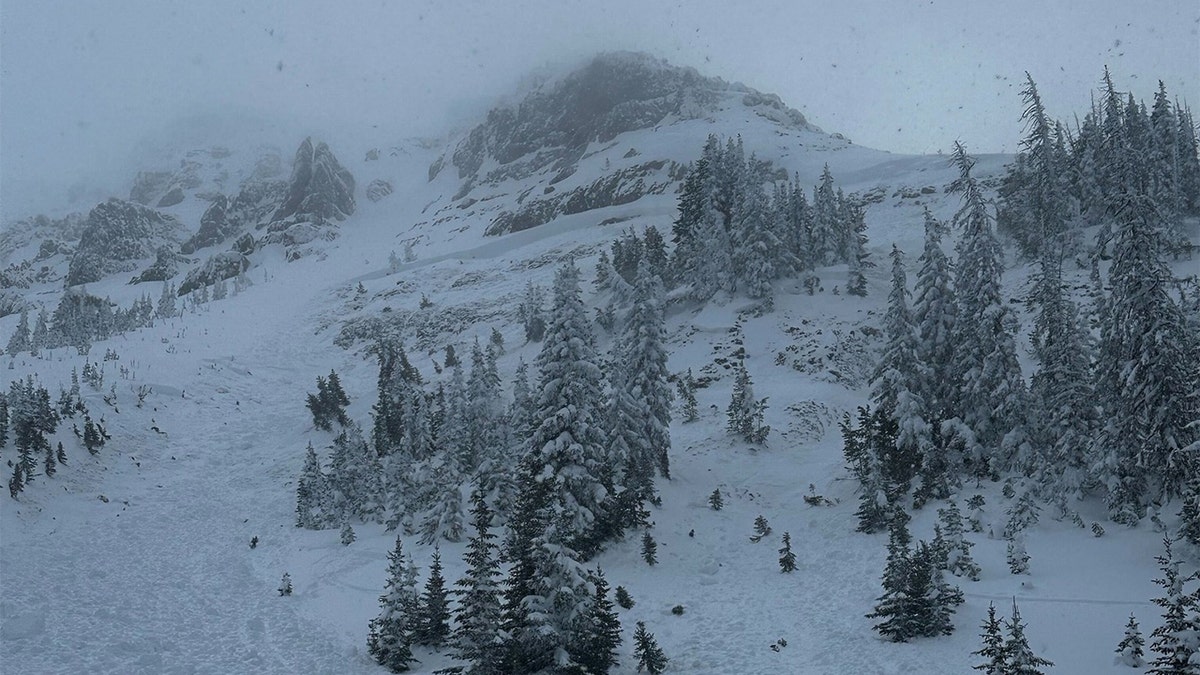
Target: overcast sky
[{"x": 84, "y": 83}]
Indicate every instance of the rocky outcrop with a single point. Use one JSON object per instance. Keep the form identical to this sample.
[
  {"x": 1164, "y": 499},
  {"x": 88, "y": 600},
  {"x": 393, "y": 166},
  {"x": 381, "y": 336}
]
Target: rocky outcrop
[
  {"x": 613, "y": 94},
  {"x": 378, "y": 189},
  {"x": 225, "y": 218},
  {"x": 224, "y": 265},
  {"x": 620, "y": 187},
  {"x": 149, "y": 186},
  {"x": 166, "y": 266},
  {"x": 117, "y": 234},
  {"x": 320, "y": 188}
]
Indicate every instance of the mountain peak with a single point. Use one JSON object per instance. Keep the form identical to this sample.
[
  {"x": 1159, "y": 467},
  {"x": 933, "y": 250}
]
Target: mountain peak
[{"x": 611, "y": 94}]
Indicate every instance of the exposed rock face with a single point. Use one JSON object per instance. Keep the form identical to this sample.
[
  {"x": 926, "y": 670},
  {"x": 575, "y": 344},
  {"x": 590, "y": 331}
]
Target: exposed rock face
[
  {"x": 174, "y": 196},
  {"x": 320, "y": 188},
  {"x": 615, "y": 93},
  {"x": 166, "y": 266},
  {"x": 117, "y": 234},
  {"x": 621, "y": 187},
  {"x": 378, "y": 189},
  {"x": 148, "y": 186},
  {"x": 225, "y": 218},
  {"x": 224, "y": 265}
]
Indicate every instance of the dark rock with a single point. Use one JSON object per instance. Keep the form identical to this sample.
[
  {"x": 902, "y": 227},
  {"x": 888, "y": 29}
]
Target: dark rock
[
  {"x": 224, "y": 265},
  {"x": 166, "y": 266},
  {"x": 213, "y": 226},
  {"x": 320, "y": 188},
  {"x": 174, "y": 196},
  {"x": 117, "y": 234},
  {"x": 378, "y": 189},
  {"x": 148, "y": 185},
  {"x": 372, "y": 155},
  {"x": 244, "y": 244},
  {"x": 620, "y": 187},
  {"x": 613, "y": 94}
]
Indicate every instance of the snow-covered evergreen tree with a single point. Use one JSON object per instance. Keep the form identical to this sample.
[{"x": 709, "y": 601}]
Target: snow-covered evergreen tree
[
  {"x": 787, "y": 557},
  {"x": 390, "y": 634},
  {"x": 1019, "y": 657},
  {"x": 991, "y": 397},
  {"x": 601, "y": 632},
  {"x": 644, "y": 355},
  {"x": 20, "y": 340},
  {"x": 1177, "y": 641},
  {"x": 649, "y": 655},
  {"x": 477, "y": 616},
  {"x": 312, "y": 493},
  {"x": 745, "y": 412},
  {"x": 432, "y": 626},
  {"x": 994, "y": 649},
  {"x": 958, "y": 550},
  {"x": 1147, "y": 366},
  {"x": 1130, "y": 651},
  {"x": 354, "y": 477},
  {"x": 567, "y": 445}
]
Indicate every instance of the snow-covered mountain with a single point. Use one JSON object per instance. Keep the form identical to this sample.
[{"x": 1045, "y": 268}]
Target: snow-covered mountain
[{"x": 138, "y": 558}]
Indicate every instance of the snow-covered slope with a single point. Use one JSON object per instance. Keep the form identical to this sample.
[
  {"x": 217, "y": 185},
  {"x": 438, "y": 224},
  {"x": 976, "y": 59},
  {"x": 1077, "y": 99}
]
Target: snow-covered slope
[{"x": 138, "y": 560}]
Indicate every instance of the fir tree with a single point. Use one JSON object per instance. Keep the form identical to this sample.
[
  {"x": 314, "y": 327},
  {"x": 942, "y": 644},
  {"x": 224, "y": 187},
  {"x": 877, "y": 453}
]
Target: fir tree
[
  {"x": 432, "y": 625},
  {"x": 1149, "y": 410},
  {"x": 347, "y": 535},
  {"x": 1019, "y": 658},
  {"x": 623, "y": 598},
  {"x": 991, "y": 399},
  {"x": 958, "y": 550},
  {"x": 994, "y": 648},
  {"x": 354, "y": 477},
  {"x": 1018, "y": 558},
  {"x": 649, "y": 655},
  {"x": 390, "y": 633},
  {"x": 285, "y": 585},
  {"x": 715, "y": 501},
  {"x": 601, "y": 635},
  {"x": 1130, "y": 650},
  {"x": 893, "y": 606},
  {"x": 858, "y": 258},
  {"x": 745, "y": 412},
  {"x": 787, "y": 559},
  {"x": 478, "y": 613},
  {"x": 20, "y": 340},
  {"x": 312, "y": 493},
  {"x": 687, "y": 393},
  {"x": 649, "y": 549},
  {"x": 1175, "y": 641},
  {"x": 568, "y": 443},
  {"x": 644, "y": 356}
]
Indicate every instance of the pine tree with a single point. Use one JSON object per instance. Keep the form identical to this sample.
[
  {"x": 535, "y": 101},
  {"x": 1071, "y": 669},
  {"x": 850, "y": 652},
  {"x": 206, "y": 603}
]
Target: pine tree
[
  {"x": 787, "y": 559},
  {"x": 285, "y": 585},
  {"x": 623, "y": 598},
  {"x": 894, "y": 386},
  {"x": 644, "y": 355},
  {"x": 991, "y": 398},
  {"x": 1020, "y": 659},
  {"x": 1175, "y": 641},
  {"x": 649, "y": 655},
  {"x": 994, "y": 648},
  {"x": 312, "y": 493},
  {"x": 649, "y": 549},
  {"x": 858, "y": 258},
  {"x": 687, "y": 392},
  {"x": 825, "y": 221},
  {"x": 476, "y": 637},
  {"x": 166, "y": 302},
  {"x": 745, "y": 412},
  {"x": 893, "y": 606},
  {"x": 432, "y": 625},
  {"x": 390, "y": 633},
  {"x": 715, "y": 501},
  {"x": 354, "y": 477},
  {"x": 958, "y": 550},
  {"x": 601, "y": 635},
  {"x": 1147, "y": 365},
  {"x": 1018, "y": 558},
  {"x": 1063, "y": 420},
  {"x": 568, "y": 443},
  {"x": 20, "y": 340},
  {"x": 1130, "y": 650},
  {"x": 347, "y": 535}
]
